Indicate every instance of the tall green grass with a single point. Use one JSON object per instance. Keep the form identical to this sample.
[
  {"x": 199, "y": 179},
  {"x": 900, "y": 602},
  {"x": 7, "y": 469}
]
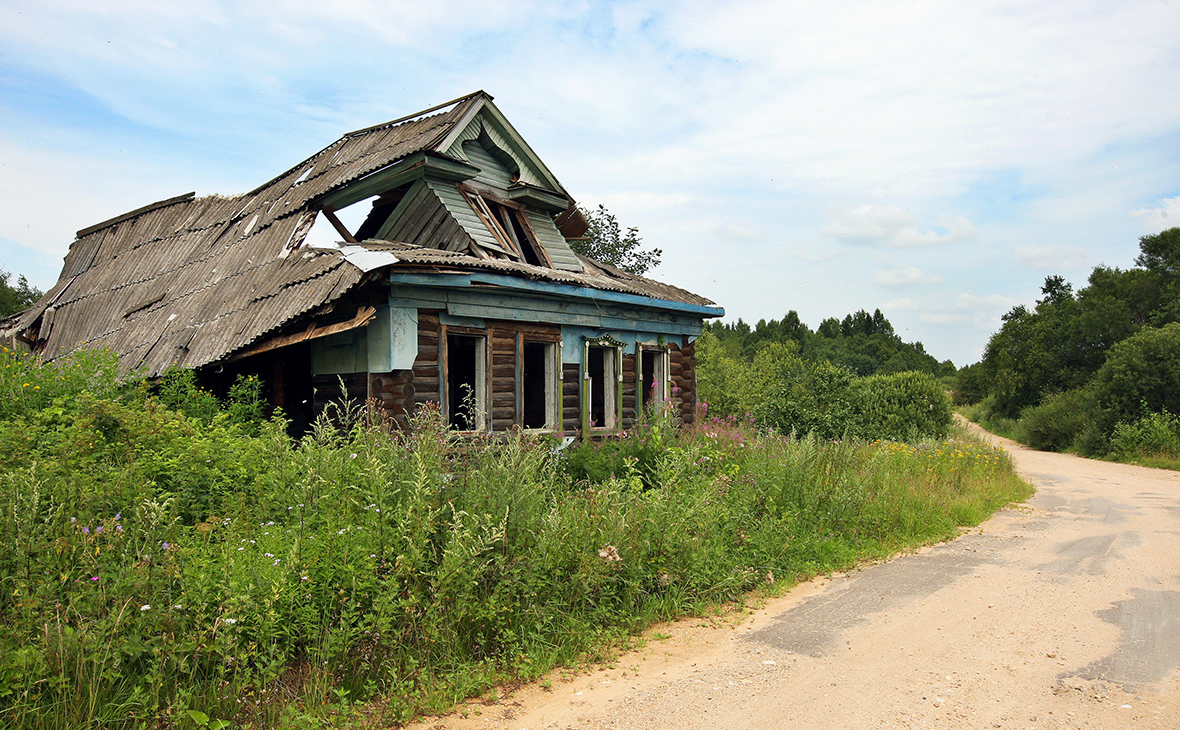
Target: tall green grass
[{"x": 161, "y": 568}]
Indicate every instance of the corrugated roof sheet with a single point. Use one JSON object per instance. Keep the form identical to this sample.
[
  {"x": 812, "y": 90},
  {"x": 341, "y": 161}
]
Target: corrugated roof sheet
[{"x": 188, "y": 281}]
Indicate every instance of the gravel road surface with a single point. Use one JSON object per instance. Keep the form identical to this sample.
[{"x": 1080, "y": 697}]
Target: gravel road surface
[{"x": 1061, "y": 613}]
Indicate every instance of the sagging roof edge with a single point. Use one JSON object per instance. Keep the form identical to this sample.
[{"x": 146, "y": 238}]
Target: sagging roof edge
[{"x": 522, "y": 284}]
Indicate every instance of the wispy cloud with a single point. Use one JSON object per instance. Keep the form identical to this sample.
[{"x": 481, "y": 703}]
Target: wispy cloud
[
  {"x": 892, "y": 226},
  {"x": 1052, "y": 258},
  {"x": 905, "y": 276},
  {"x": 1166, "y": 214}
]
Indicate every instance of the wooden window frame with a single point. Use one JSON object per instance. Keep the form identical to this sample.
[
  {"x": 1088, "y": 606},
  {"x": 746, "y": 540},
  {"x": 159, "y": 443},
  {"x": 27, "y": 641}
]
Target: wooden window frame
[
  {"x": 481, "y": 202},
  {"x": 552, "y": 378},
  {"x": 612, "y": 387},
  {"x": 482, "y": 380},
  {"x": 662, "y": 377}
]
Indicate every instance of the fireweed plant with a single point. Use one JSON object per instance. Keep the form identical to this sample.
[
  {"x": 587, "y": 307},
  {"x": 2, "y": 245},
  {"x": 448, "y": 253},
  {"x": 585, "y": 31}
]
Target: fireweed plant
[{"x": 168, "y": 565}]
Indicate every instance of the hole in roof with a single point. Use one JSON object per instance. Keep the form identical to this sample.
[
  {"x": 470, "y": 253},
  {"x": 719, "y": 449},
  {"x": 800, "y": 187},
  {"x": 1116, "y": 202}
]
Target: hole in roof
[
  {"x": 303, "y": 177},
  {"x": 324, "y": 235}
]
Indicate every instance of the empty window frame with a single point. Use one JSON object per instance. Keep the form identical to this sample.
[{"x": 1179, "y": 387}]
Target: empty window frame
[
  {"x": 465, "y": 372},
  {"x": 653, "y": 376},
  {"x": 509, "y": 226},
  {"x": 602, "y": 376},
  {"x": 540, "y": 387}
]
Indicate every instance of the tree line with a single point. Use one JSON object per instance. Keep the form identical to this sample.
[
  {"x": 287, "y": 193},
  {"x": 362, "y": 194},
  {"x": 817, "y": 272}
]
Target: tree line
[
  {"x": 863, "y": 343},
  {"x": 1080, "y": 369}
]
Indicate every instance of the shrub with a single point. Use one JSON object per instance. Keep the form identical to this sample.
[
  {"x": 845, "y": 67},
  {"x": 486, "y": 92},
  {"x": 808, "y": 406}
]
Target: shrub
[
  {"x": 1151, "y": 436},
  {"x": 1058, "y": 422},
  {"x": 28, "y": 385},
  {"x": 908, "y": 406},
  {"x": 810, "y": 399}
]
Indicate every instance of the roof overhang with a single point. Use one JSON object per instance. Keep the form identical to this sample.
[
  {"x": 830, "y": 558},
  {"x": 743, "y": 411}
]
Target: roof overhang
[
  {"x": 408, "y": 169},
  {"x": 551, "y": 290}
]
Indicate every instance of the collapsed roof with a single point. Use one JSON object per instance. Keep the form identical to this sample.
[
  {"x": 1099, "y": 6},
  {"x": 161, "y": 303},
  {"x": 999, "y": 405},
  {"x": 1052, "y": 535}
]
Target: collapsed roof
[{"x": 191, "y": 281}]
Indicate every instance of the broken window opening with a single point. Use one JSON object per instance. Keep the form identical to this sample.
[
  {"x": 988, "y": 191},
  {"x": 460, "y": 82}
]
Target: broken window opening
[
  {"x": 528, "y": 245},
  {"x": 466, "y": 363},
  {"x": 539, "y": 385},
  {"x": 601, "y": 385},
  {"x": 508, "y": 227},
  {"x": 653, "y": 376},
  {"x": 383, "y": 207}
]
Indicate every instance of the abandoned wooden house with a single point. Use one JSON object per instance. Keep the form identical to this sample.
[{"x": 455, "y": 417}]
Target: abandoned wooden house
[{"x": 459, "y": 287}]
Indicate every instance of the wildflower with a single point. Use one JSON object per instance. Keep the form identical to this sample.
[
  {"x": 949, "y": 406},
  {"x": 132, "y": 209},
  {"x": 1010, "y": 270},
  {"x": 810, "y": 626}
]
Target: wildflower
[
  {"x": 165, "y": 545},
  {"x": 98, "y": 529},
  {"x": 118, "y": 516},
  {"x": 610, "y": 554},
  {"x": 146, "y": 607},
  {"x": 268, "y": 555},
  {"x": 85, "y": 530},
  {"x": 276, "y": 562},
  {"x": 94, "y": 578},
  {"x": 230, "y": 621}
]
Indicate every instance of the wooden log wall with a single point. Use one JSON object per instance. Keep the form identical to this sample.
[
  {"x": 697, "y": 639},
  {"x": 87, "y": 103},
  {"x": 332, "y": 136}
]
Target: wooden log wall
[
  {"x": 571, "y": 395},
  {"x": 630, "y": 390},
  {"x": 394, "y": 392},
  {"x": 683, "y": 367},
  {"x": 326, "y": 389},
  {"x": 401, "y": 392},
  {"x": 426, "y": 385}
]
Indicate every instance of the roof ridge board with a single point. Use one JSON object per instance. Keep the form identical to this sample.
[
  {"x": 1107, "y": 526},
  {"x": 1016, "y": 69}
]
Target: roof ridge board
[
  {"x": 422, "y": 114},
  {"x": 343, "y": 141},
  {"x": 136, "y": 213}
]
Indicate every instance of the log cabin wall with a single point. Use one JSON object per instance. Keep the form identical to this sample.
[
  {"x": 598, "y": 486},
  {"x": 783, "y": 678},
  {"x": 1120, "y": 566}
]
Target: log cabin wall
[
  {"x": 571, "y": 397},
  {"x": 327, "y": 389},
  {"x": 630, "y": 390},
  {"x": 400, "y": 392},
  {"x": 503, "y": 377},
  {"x": 425, "y": 372},
  {"x": 682, "y": 363}
]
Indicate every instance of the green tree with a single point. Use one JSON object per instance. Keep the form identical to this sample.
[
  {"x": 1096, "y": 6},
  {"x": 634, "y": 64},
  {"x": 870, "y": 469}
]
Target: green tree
[
  {"x": 15, "y": 298},
  {"x": 1160, "y": 253},
  {"x": 606, "y": 241},
  {"x": 1141, "y": 375}
]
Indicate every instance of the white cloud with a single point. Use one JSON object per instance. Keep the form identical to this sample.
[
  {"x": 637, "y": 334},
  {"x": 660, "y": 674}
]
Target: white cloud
[
  {"x": 989, "y": 302},
  {"x": 1166, "y": 214},
  {"x": 1052, "y": 257},
  {"x": 900, "y": 304},
  {"x": 941, "y": 319},
  {"x": 905, "y": 276},
  {"x": 892, "y": 226}
]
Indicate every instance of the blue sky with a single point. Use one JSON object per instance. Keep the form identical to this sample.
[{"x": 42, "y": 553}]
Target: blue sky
[{"x": 936, "y": 160}]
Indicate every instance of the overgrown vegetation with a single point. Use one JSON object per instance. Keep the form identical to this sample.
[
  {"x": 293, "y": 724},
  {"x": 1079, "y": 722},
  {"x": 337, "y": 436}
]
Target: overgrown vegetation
[
  {"x": 169, "y": 561},
  {"x": 781, "y": 390},
  {"x": 1093, "y": 370}
]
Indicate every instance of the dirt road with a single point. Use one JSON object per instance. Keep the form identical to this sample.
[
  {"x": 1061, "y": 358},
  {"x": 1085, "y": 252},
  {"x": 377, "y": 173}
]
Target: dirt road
[{"x": 1062, "y": 613}]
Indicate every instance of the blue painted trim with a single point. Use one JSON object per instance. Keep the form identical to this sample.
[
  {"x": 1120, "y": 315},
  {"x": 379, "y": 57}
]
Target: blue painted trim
[{"x": 551, "y": 289}]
